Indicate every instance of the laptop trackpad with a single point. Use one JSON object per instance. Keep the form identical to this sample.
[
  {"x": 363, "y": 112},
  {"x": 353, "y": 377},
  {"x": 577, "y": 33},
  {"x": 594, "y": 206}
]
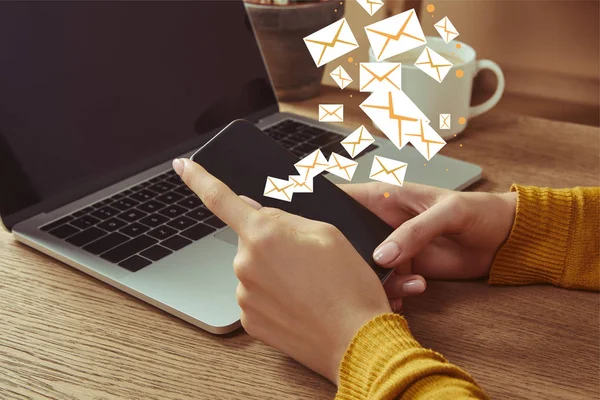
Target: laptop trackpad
[{"x": 228, "y": 236}]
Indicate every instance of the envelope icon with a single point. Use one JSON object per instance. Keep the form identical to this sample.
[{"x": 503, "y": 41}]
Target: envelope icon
[
  {"x": 357, "y": 141},
  {"x": 393, "y": 113},
  {"x": 426, "y": 141},
  {"x": 370, "y": 6},
  {"x": 445, "y": 121},
  {"x": 331, "y": 112},
  {"x": 301, "y": 185},
  {"x": 311, "y": 165},
  {"x": 331, "y": 42},
  {"x": 433, "y": 64},
  {"x": 395, "y": 35},
  {"x": 279, "y": 189},
  {"x": 341, "y": 77},
  {"x": 388, "y": 170},
  {"x": 342, "y": 166},
  {"x": 382, "y": 76},
  {"x": 446, "y": 30}
]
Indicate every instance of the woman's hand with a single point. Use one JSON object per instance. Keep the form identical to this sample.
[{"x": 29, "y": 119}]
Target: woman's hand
[
  {"x": 303, "y": 288},
  {"x": 446, "y": 234}
]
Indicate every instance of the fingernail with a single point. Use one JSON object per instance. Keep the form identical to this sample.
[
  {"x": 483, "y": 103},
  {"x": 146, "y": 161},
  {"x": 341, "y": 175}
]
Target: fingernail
[
  {"x": 178, "y": 166},
  {"x": 386, "y": 253},
  {"x": 413, "y": 287}
]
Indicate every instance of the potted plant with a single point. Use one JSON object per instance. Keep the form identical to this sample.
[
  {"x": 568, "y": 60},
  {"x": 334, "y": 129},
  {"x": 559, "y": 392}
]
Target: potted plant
[{"x": 280, "y": 26}]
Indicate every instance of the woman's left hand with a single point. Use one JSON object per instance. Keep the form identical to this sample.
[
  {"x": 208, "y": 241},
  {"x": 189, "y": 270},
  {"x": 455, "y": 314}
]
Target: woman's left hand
[{"x": 303, "y": 287}]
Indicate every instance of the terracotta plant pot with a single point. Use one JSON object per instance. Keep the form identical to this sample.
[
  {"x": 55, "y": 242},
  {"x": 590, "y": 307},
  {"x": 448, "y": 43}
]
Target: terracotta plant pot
[{"x": 280, "y": 30}]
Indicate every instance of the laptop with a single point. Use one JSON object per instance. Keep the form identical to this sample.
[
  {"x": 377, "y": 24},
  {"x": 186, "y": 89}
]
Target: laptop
[{"x": 97, "y": 98}]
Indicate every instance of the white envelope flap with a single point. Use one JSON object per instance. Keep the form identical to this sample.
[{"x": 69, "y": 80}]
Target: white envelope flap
[
  {"x": 395, "y": 35},
  {"x": 331, "y": 42},
  {"x": 380, "y": 76}
]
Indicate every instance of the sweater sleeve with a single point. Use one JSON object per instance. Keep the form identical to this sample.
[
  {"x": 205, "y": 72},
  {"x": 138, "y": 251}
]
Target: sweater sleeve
[
  {"x": 555, "y": 239},
  {"x": 384, "y": 361}
]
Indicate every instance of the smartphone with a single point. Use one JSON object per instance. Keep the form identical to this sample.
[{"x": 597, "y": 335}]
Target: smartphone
[{"x": 242, "y": 156}]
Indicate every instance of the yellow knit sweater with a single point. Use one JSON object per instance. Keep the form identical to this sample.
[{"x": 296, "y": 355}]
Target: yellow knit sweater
[{"x": 555, "y": 239}]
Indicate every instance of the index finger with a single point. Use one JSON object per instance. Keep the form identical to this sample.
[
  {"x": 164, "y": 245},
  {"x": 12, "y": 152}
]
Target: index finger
[{"x": 215, "y": 195}]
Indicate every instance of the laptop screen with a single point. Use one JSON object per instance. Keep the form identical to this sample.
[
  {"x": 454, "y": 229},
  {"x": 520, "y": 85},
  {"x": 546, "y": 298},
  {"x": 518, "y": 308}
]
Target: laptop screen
[{"x": 90, "y": 89}]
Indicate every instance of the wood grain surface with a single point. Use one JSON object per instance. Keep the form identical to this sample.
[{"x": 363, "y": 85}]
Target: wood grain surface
[{"x": 65, "y": 335}]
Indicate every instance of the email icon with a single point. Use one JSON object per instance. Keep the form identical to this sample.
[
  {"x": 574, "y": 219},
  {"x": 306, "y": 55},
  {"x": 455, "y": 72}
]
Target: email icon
[
  {"x": 446, "y": 30},
  {"x": 433, "y": 64},
  {"x": 331, "y": 112},
  {"x": 331, "y": 42},
  {"x": 279, "y": 189},
  {"x": 426, "y": 140},
  {"x": 370, "y": 6},
  {"x": 301, "y": 185},
  {"x": 395, "y": 35},
  {"x": 311, "y": 165},
  {"x": 357, "y": 141},
  {"x": 341, "y": 77},
  {"x": 342, "y": 166},
  {"x": 445, "y": 121},
  {"x": 382, "y": 76},
  {"x": 393, "y": 113},
  {"x": 388, "y": 171}
]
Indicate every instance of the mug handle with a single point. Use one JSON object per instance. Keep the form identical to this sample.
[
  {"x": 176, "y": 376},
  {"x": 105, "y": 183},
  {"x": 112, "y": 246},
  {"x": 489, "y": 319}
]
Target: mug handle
[{"x": 492, "y": 101}]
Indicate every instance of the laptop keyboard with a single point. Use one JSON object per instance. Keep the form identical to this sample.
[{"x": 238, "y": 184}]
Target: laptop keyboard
[{"x": 155, "y": 218}]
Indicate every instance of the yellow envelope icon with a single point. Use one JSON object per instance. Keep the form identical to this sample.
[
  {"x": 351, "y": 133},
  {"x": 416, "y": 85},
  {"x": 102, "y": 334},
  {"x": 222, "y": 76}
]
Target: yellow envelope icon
[
  {"x": 357, "y": 141},
  {"x": 370, "y": 6},
  {"x": 301, "y": 185},
  {"x": 382, "y": 76},
  {"x": 279, "y": 189},
  {"x": 388, "y": 171},
  {"x": 341, "y": 77},
  {"x": 433, "y": 64},
  {"x": 331, "y": 112},
  {"x": 395, "y": 35},
  {"x": 393, "y": 113},
  {"x": 446, "y": 30},
  {"x": 342, "y": 166},
  {"x": 331, "y": 42},
  {"x": 445, "y": 121},
  {"x": 426, "y": 140},
  {"x": 311, "y": 165}
]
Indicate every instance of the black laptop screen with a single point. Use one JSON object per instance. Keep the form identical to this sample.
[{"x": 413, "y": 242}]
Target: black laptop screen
[{"x": 89, "y": 88}]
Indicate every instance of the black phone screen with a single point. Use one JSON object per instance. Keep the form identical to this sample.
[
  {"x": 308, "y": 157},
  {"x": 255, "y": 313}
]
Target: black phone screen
[{"x": 242, "y": 157}]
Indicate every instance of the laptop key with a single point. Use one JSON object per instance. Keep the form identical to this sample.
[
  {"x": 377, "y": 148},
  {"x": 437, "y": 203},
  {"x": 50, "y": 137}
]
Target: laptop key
[
  {"x": 134, "y": 229},
  {"x": 128, "y": 249},
  {"x": 190, "y": 202},
  {"x": 326, "y": 139},
  {"x": 85, "y": 222},
  {"x": 198, "y": 231},
  {"x": 106, "y": 243},
  {"x": 105, "y": 213},
  {"x": 87, "y": 236},
  {"x": 56, "y": 224},
  {"x": 162, "y": 232},
  {"x": 161, "y": 187},
  {"x": 125, "y": 204},
  {"x": 156, "y": 252},
  {"x": 112, "y": 224},
  {"x": 154, "y": 220},
  {"x": 143, "y": 195},
  {"x": 184, "y": 190},
  {"x": 181, "y": 223},
  {"x": 276, "y": 135},
  {"x": 64, "y": 231},
  {"x": 132, "y": 215},
  {"x": 305, "y": 148},
  {"x": 135, "y": 263},
  {"x": 174, "y": 180},
  {"x": 152, "y": 206},
  {"x": 176, "y": 242},
  {"x": 169, "y": 198},
  {"x": 288, "y": 144},
  {"x": 173, "y": 211},
  {"x": 199, "y": 214},
  {"x": 214, "y": 221}
]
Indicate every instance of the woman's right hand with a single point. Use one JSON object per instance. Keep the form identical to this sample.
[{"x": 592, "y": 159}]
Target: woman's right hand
[{"x": 446, "y": 234}]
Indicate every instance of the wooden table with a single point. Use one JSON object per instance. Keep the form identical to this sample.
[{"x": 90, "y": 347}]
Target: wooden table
[{"x": 65, "y": 335}]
